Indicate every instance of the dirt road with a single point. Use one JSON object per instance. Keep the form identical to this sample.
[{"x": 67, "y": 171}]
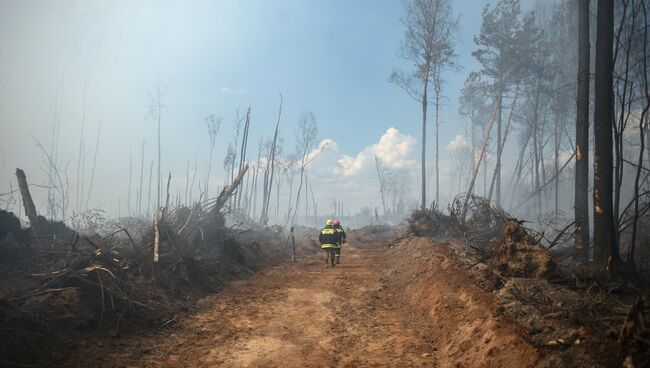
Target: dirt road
[{"x": 294, "y": 315}]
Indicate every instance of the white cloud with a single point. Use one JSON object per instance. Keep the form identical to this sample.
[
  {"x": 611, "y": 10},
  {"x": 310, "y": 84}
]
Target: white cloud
[
  {"x": 393, "y": 148},
  {"x": 457, "y": 144},
  {"x": 230, "y": 91}
]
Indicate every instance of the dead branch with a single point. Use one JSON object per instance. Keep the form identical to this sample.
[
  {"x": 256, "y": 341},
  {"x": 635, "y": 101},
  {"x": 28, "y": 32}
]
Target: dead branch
[{"x": 229, "y": 191}]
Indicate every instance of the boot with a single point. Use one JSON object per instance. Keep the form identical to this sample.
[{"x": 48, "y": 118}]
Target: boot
[
  {"x": 338, "y": 260},
  {"x": 327, "y": 262}
]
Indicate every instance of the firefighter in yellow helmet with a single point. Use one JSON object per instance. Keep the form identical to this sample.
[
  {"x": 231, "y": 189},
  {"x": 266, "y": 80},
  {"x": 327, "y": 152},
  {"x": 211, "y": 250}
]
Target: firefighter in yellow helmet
[
  {"x": 329, "y": 239},
  {"x": 339, "y": 229}
]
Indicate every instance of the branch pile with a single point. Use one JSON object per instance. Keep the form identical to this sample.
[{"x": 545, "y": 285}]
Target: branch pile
[
  {"x": 56, "y": 283},
  {"x": 518, "y": 254},
  {"x": 475, "y": 221}
]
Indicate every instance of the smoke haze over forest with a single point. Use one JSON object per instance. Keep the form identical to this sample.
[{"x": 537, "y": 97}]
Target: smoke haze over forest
[
  {"x": 332, "y": 59},
  {"x": 92, "y": 63}
]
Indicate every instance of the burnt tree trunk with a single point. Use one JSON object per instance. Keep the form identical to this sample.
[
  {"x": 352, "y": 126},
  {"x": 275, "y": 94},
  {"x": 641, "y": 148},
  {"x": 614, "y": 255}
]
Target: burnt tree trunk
[
  {"x": 499, "y": 151},
  {"x": 605, "y": 246},
  {"x": 582, "y": 135},
  {"x": 28, "y": 202},
  {"x": 38, "y": 223}
]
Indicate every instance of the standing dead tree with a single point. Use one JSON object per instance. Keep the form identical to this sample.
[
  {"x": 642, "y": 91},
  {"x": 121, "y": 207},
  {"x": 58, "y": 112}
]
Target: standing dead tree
[
  {"x": 379, "y": 164},
  {"x": 214, "y": 124},
  {"x": 305, "y": 142},
  {"x": 80, "y": 155},
  {"x": 582, "y": 135},
  {"x": 156, "y": 94},
  {"x": 141, "y": 179},
  {"x": 606, "y": 251},
  {"x": 269, "y": 171},
  {"x": 92, "y": 172},
  {"x": 53, "y": 154},
  {"x": 243, "y": 149},
  {"x": 428, "y": 44}
]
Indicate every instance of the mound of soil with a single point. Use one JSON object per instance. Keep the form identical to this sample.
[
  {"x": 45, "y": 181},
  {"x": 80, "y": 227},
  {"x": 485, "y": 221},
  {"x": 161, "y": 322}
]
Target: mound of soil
[
  {"x": 463, "y": 318},
  {"x": 518, "y": 254},
  {"x": 523, "y": 322}
]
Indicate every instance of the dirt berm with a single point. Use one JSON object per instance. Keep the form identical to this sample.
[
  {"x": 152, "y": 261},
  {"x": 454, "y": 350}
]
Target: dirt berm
[{"x": 462, "y": 319}]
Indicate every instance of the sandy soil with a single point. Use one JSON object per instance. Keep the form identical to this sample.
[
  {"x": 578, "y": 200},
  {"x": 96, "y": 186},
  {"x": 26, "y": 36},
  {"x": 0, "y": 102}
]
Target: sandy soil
[{"x": 409, "y": 306}]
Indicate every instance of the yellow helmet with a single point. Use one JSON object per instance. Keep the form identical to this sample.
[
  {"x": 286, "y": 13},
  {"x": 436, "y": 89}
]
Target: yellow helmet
[{"x": 329, "y": 222}]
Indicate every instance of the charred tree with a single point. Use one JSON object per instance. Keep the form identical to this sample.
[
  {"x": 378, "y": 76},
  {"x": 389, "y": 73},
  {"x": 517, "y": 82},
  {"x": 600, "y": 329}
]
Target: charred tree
[
  {"x": 606, "y": 252},
  {"x": 582, "y": 134}
]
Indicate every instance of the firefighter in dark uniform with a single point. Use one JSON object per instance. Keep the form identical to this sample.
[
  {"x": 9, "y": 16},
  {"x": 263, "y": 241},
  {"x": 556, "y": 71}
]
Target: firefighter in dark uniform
[
  {"x": 339, "y": 229},
  {"x": 329, "y": 239}
]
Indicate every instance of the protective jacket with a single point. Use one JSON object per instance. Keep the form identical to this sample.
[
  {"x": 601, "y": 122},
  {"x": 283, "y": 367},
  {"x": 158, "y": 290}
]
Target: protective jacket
[
  {"x": 341, "y": 232},
  {"x": 329, "y": 237}
]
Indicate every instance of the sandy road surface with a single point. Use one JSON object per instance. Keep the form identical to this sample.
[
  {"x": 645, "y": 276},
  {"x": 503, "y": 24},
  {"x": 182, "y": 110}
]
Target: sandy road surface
[{"x": 293, "y": 315}]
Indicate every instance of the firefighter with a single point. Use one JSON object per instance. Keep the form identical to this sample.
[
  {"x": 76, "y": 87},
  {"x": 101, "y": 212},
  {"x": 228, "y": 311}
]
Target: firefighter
[
  {"x": 329, "y": 239},
  {"x": 339, "y": 229}
]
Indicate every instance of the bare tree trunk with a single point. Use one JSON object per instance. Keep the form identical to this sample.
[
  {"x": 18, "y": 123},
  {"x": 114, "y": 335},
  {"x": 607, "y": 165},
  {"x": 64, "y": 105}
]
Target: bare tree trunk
[
  {"x": 315, "y": 206},
  {"x": 92, "y": 174},
  {"x": 269, "y": 171},
  {"x": 187, "y": 183},
  {"x": 424, "y": 140},
  {"x": 605, "y": 246},
  {"x": 207, "y": 179},
  {"x": 28, "y": 202},
  {"x": 128, "y": 196},
  {"x": 149, "y": 192},
  {"x": 81, "y": 157},
  {"x": 306, "y": 194},
  {"x": 159, "y": 107},
  {"x": 499, "y": 150},
  {"x": 141, "y": 179},
  {"x": 485, "y": 188},
  {"x": 302, "y": 176},
  {"x": 437, "y": 91},
  {"x": 244, "y": 149},
  {"x": 196, "y": 169},
  {"x": 556, "y": 161},
  {"x": 382, "y": 182}
]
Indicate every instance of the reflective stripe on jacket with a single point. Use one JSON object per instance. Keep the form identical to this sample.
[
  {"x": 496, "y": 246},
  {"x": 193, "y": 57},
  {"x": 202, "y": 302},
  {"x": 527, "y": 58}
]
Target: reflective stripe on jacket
[{"x": 329, "y": 237}]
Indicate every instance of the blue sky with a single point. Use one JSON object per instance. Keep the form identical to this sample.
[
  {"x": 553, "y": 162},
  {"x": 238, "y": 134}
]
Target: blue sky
[{"x": 332, "y": 58}]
